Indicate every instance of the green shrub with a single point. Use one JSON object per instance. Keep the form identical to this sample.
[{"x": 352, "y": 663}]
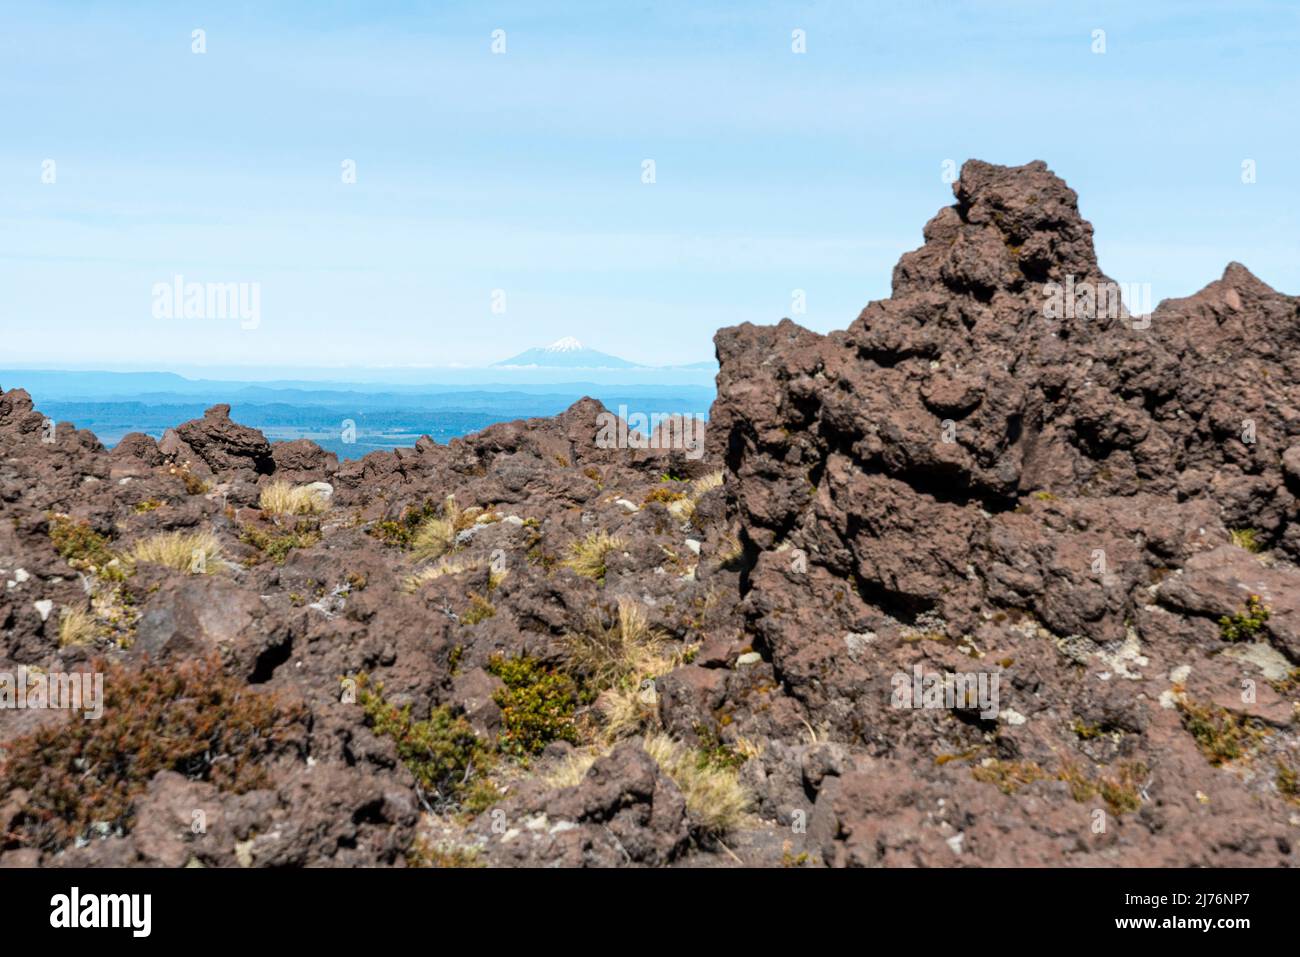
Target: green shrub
[
  {"x": 402, "y": 531},
  {"x": 536, "y": 705},
  {"x": 276, "y": 545},
  {"x": 79, "y": 544},
  {"x": 442, "y": 752},
  {"x": 1122, "y": 791},
  {"x": 1247, "y": 624}
]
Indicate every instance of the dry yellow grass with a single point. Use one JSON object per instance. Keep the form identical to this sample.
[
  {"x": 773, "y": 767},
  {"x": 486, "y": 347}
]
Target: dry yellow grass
[
  {"x": 715, "y": 799},
  {"x": 448, "y": 566},
  {"x": 76, "y": 628},
  {"x": 194, "y": 552},
  {"x": 626, "y": 712},
  {"x": 731, "y": 552},
  {"x": 587, "y": 556},
  {"x": 571, "y": 769},
  {"x": 281, "y": 498},
  {"x": 436, "y": 535},
  {"x": 706, "y": 483},
  {"x": 684, "y": 508},
  {"x": 621, "y": 654}
]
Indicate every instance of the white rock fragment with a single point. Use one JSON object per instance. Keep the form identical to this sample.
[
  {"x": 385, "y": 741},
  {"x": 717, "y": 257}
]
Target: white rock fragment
[
  {"x": 625, "y": 504},
  {"x": 1128, "y": 653},
  {"x": 1263, "y": 656},
  {"x": 856, "y": 642},
  {"x": 322, "y": 489},
  {"x": 693, "y": 545},
  {"x": 43, "y": 608},
  {"x": 748, "y": 658},
  {"x": 1012, "y": 717}
]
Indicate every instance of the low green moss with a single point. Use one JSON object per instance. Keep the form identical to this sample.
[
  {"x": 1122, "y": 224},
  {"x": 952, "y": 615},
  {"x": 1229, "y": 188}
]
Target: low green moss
[
  {"x": 1221, "y": 735},
  {"x": 714, "y": 752},
  {"x": 1009, "y": 776},
  {"x": 1288, "y": 781}
]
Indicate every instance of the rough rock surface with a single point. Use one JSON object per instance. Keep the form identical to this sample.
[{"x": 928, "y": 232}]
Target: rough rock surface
[
  {"x": 971, "y": 479},
  {"x": 1094, "y": 511}
]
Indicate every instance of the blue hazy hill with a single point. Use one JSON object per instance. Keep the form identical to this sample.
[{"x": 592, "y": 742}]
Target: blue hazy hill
[{"x": 382, "y": 415}]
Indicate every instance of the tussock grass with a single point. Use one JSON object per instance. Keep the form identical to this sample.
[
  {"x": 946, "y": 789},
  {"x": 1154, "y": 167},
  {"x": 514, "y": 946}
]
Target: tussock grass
[
  {"x": 76, "y": 627},
  {"x": 281, "y": 498},
  {"x": 715, "y": 799},
  {"x": 570, "y": 771},
  {"x": 684, "y": 508},
  {"x": 436, "y": 535},
  {"x": 627, "y": 651},
  {"x": 193, "y": 552},
  {"x": 587, "y": 556},
  {"x": 706, "y": 483},
  {"x": 1246, "y": 538},
  {"x": 732, "y": 553},
  {"x": 448, "y": 566},
  {"x": 620, "y": 661},
  {"x": 627, "y": 712}
]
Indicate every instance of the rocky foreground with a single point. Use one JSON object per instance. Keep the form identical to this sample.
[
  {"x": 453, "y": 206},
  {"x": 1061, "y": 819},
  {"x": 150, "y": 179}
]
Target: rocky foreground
[{"x": 524, "y": 648}]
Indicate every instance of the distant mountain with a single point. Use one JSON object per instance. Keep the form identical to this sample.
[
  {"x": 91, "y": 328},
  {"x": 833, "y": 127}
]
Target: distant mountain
[{"x": 566, "y": 353}]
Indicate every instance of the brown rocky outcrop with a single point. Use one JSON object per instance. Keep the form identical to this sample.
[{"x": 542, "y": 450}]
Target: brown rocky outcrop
[{"x": 991, "y": 475}]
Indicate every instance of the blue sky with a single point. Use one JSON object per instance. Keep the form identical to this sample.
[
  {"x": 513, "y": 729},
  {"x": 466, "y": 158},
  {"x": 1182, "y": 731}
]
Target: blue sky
[{"x": 522, "y": 171}]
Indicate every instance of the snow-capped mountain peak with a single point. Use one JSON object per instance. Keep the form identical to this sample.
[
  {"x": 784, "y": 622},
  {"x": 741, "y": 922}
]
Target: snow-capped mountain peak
[
  {"x": 566, "y": 353},
  {"x": 567, "y": 344}
]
